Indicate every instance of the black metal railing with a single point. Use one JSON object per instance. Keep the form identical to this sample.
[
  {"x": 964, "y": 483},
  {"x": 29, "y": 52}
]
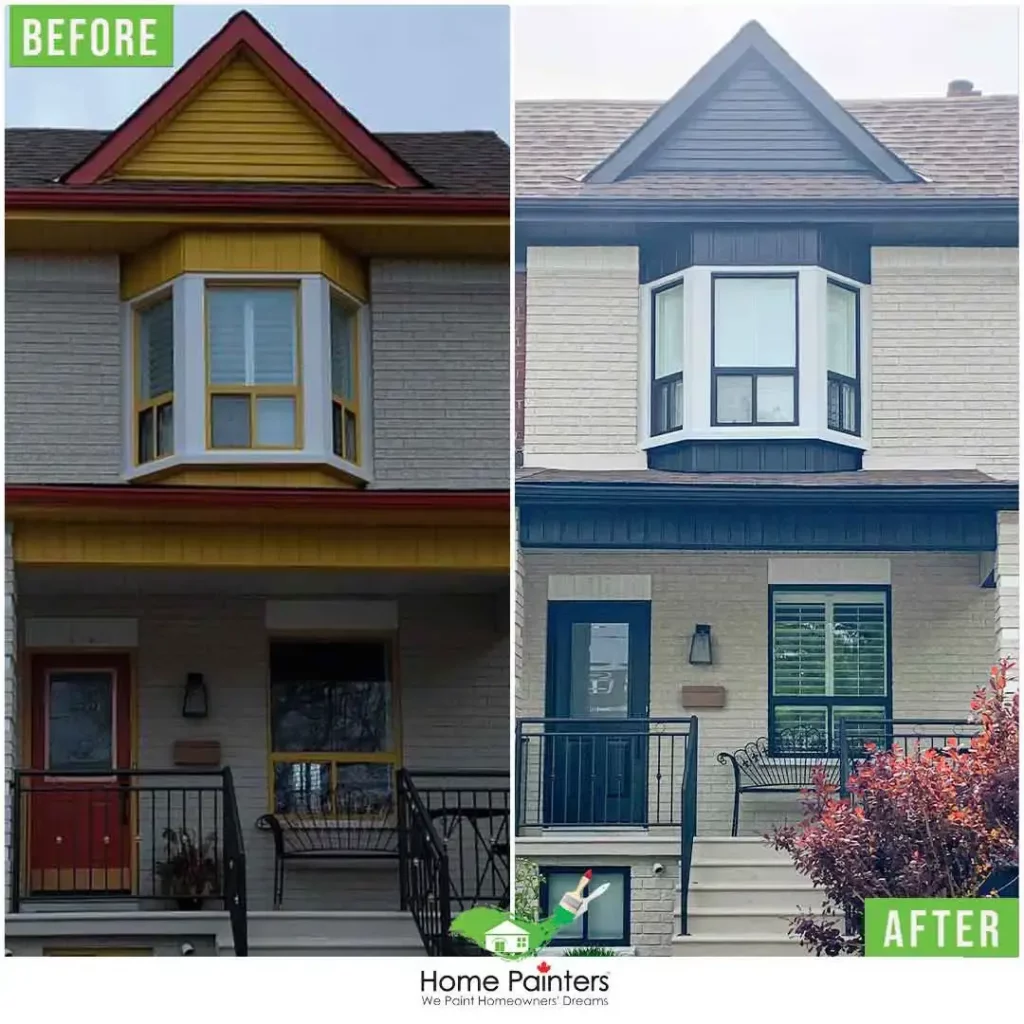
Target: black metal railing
[
  {"x": 616, "y": 772},
  {"x": 689, "y": 826},
  {"x": 423, "y": 865},
  {"x": 170, "y": 838},
  {"x": 909, "y": 736}
]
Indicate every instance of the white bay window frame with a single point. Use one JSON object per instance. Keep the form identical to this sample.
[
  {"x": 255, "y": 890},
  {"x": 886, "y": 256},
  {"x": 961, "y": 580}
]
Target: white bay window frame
[
  {"x": 191, "y": 405},
  {"x": 697, "y": 373}
]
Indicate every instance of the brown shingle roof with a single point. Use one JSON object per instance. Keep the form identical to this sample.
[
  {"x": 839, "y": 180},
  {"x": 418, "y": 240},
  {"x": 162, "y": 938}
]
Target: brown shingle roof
[
  {"x": 964, "y": 146},
  {"x": 472, "y": 163}
]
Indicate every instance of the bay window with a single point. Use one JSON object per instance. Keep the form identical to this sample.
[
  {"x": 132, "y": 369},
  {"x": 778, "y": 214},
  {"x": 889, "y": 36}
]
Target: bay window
[
  {"x": 667, "y": 385},
  {"x": 843, "y": 348},
  {"x": 344, "y": 377},
  {"x": 154, "y": 380},
  {"x": 754, "y": 346},
  {"x": 829, "y": 660},
  {"x": 253, "y": 362}
]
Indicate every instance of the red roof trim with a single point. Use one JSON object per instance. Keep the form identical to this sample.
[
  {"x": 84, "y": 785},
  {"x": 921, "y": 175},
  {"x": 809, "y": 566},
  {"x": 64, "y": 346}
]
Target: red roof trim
[
  {"x": 384, "y": 202},
  {"x": 126, "y": 495},
  {"x": 243, "y": 30}
]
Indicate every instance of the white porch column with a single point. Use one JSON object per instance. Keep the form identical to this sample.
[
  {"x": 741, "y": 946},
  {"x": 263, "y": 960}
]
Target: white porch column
[
  {"x": 1007, "y": 590},
  {"x": 10, "y": 699}
]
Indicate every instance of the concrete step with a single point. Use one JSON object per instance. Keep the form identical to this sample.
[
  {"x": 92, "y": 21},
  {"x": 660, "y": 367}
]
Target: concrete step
[
  {"x": 719, "y": 922},
  {"x": 752, "y": 895},
  {"x": 381, "y": 926},
  {"x": 736, "y": 945},
  {"x": 730, "y": 871},
  {"x": 740, "y": 848}
]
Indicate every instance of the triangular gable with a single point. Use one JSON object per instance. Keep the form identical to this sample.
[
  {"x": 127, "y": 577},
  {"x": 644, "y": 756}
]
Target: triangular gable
[
  {"x": 752, "y": 108},
  {"x": 205, "y": 123}
]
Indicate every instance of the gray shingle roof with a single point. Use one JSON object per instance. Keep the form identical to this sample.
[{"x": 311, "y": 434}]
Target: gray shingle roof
[
  {"x": 964, "y": 146},
  {"x": 464, "y": 163}
]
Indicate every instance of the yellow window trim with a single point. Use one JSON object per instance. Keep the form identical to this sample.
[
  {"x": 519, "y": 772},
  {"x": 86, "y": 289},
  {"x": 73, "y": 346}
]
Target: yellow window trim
[
  {"x": 256, "y": 391},
  {"x": 345, "y": 405},
  {"x": 140, "y": 404}
]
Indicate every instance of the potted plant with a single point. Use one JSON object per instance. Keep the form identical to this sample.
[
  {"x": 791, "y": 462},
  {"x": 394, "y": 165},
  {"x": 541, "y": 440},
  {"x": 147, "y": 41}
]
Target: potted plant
[{"x": 191, "y": 872}]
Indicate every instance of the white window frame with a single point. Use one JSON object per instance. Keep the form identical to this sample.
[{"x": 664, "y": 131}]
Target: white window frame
[
  {"x": 812, "y": 359},
  {"x": 191, "y": 410}
]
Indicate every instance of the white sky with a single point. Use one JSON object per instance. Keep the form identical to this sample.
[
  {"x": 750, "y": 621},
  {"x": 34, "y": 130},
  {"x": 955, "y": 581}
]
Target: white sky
[{"x": 862, "y": 51}]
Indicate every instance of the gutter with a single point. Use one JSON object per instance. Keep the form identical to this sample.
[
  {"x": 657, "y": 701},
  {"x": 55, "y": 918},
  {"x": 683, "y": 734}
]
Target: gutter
[
  {"x": 430, "y": 204},
  {"x": 995, "y": 496},
  {"x": 127, "y": 496}
]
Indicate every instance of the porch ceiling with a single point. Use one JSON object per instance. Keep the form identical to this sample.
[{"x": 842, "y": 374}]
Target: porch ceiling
[{"x": 43, "y": 581}]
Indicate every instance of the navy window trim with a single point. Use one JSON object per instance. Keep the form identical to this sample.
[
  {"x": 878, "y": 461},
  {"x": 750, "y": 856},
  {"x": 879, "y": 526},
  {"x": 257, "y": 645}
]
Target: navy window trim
[
  {"x": 549, "y": 900},
  {"x": 837, "y": 382},
  {"x": 829, "y": 702},
  {"x": 757, "y": 371},
  {"x": 664, "y": 389}
]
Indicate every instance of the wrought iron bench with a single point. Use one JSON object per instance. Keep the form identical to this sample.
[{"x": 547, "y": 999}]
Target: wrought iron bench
[
  {"x": 756, "y": 769},
  {"x": 314, "y": 837}
]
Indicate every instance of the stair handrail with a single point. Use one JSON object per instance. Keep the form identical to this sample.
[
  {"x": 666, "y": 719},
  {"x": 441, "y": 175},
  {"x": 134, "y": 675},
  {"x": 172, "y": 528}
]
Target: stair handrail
[
  {"x": 418, "y": 841},
  {"x": 234, "y": 868},
  {"x": 689, "y": 825}
]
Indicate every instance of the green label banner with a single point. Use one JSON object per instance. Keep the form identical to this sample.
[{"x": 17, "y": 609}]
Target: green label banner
[
  {"x": 942, "y": 927},
  {"x": 108, "y": 36}
]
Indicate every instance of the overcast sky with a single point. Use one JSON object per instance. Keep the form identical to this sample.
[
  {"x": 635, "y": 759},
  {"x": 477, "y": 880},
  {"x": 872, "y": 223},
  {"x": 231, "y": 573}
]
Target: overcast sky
[
  {"x": 395, "y": 68},
  {"x": 855, "y": 52}
]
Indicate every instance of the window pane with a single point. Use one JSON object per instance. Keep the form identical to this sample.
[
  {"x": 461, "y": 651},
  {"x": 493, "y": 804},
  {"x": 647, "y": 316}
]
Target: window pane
[
  {"x": 364, "y": 789},
  {"x": 302, "y": 787},
  {"x": 799, "y": 730},
  {"x": 300, "y": 716},
  {"x": 755, "y": 321},
  {"x": 734, "y": 397},
  {"x": 229, "y": 421},
  {"x": 848, "y": 421},
  {"x": 351, "y": 437},
  {"x": 343, "y": 325},
  {"x": 668, "y": 331},
  {"x": 606, "y": 915},
  {"x": 252, "y": 335},
  {"x": 80, "y": 721},
  {"x": 275, "y": 422},
  {"x": 667, "y": 405},
  {"x": 336, "y": 429},
  {"x": 864, "y": 725},
  {"x": 775, "y": 399},
  {"x": 600, "y": 670},
  {"x": 226, "y": 320},
  {"x": 842, "y": 330},
  {"x": 858, "y": 650},
  {"x": 156, "y": 350},
  {"x": 558, "y": 884},
  {"x": 360, "y": 717},
  {"x": 164, "y": 429},
  {"x": 145, "y": 440},
  {"x": 798, "y": 649},
  {"x": 273, "y": 315}
]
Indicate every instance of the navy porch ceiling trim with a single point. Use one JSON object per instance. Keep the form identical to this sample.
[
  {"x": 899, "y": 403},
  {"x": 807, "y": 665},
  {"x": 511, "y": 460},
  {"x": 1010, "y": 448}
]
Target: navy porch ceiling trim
[
  {"x": 751, "y": 39},
  {"x": 760, "y": 517}
]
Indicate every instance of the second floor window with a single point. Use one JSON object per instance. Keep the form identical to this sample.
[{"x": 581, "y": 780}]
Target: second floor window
[
  {"x": 154, "y": 388},
  {"x": 843, "y": 346},
  {"x": 754, "y": 346},
  {"x": 253, "y": 366},
  {"x": 344, "y": 379},
  {"x": 667, "y": 383}
]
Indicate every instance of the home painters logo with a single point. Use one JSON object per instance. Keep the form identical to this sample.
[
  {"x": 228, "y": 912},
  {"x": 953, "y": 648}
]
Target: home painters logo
[
  {"x": 110, "y": 36},
  {"x": 512, "y": 938},
  {"x": 942, "y": 927},
  {"x": 543, "y": 986}
]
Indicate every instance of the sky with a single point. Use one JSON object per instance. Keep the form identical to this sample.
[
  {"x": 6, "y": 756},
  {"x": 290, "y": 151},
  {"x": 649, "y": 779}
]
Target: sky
[
  {"x": 854, "y": 52},
  {"x": 395, "y": 68}
]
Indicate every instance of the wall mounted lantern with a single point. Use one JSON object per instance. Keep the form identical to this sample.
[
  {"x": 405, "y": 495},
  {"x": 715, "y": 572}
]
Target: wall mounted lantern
[
  {"x": 196, "y": 703},
  {"x": 700, "y": 645}
]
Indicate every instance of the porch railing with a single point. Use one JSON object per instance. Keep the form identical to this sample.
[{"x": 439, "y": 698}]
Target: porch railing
[
  {"x": 909, "y": 736},
  {"x": 689, "y": 826},
  {"x": 608, "y": 773},
  {"x": 169, "y": 838}
]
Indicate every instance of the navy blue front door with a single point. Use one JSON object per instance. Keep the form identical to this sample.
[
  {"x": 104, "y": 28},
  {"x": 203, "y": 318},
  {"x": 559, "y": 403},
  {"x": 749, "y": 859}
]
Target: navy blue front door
[{"x": 598, "y": 695}]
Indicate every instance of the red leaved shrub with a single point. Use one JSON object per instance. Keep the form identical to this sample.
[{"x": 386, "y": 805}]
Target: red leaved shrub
[{"x": 917, "y": 824}]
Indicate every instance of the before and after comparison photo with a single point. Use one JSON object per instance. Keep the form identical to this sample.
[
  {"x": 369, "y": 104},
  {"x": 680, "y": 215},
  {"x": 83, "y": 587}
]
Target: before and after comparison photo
[{"x": 490, "y": 485}]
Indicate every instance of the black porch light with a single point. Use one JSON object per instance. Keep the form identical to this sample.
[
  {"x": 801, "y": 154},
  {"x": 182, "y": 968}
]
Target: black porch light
[
  {"x": 196, "y": 703},
  {"x": 700, "y": 645}
]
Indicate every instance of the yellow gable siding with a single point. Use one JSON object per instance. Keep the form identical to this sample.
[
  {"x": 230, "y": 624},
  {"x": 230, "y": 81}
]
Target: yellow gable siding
[{"x": 241, "y": 127}]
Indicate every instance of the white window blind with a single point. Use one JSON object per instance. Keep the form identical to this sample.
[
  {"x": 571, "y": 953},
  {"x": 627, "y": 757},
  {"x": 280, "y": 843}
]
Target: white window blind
[
  {"x": 156, "y": 350},
  {"x": 252, "y": 336}
]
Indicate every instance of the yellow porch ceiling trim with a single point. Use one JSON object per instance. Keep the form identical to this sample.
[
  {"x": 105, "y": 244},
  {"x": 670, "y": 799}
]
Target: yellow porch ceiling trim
[
  {"x": 240, "y": 126},
  {"x": 242, "y": 252},
  {"x": 250, "y": 546}
]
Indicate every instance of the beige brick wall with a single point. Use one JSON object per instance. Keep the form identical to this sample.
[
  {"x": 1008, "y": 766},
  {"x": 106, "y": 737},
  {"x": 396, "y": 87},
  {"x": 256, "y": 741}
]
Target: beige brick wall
[
  {"x": 944, "y": 356},
  {"x": 581, "y": 353},
  {"x": 943, "y": 644},
  {"x": 453, "y": 657}
]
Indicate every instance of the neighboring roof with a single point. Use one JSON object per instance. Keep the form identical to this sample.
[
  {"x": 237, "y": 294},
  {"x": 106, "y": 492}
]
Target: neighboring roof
[
  {"x": 777, "y": 82},
  {"x": 961, "y": 147},
  {"x": 472, "y": 163}
]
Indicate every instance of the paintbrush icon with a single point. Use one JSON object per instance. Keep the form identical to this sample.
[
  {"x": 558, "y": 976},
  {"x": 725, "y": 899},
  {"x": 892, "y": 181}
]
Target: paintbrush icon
[{"x": 575, "y": 902}]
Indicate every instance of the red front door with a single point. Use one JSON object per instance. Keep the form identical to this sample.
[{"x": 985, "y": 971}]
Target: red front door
[{"x": 80, "y": 827}]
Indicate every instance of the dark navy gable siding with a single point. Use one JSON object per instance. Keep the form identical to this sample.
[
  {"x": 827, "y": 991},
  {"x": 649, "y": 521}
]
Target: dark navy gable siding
[{"x": 754, "y": 122}]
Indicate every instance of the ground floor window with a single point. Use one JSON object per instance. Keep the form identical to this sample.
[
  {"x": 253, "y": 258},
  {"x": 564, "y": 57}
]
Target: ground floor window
[
  {"x": 333, "y": 748},
  {"x": 829, "y": 660},
  {"x": 606, "y": 921}
]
